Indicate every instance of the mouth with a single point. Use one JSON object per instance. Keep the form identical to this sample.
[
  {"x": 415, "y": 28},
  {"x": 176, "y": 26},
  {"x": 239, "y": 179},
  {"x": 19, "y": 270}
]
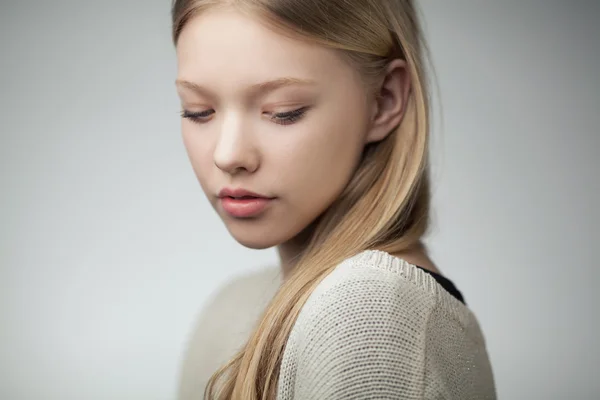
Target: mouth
[
  {"x": 242, "y": 203},
  {"x": 239, "y": 194},
  {"x": 245, "y": 206},
  {"x": 244, "y": 197}
]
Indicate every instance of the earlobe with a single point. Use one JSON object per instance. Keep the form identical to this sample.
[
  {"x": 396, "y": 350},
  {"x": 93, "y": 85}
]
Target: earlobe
[{"x": 390, "y": 101}]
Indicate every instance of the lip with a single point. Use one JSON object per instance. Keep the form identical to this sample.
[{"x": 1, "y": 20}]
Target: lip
[
  {"x": 242, "y": 203},
  {"x": 229, "y": 192}
]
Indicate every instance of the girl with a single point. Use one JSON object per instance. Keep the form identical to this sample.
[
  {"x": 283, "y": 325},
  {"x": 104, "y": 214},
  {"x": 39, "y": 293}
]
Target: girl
[{"x": 306, "y": 123}]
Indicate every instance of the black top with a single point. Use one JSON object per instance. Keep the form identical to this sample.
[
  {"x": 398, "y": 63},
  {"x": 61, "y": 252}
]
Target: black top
[{"x": 446, "y": 284}]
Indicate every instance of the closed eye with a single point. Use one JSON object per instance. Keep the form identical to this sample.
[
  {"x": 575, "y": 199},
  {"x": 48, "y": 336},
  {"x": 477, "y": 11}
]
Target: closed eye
[
  {"x": 289, "y": 117},
  {"x": 197, "y": 117},
  {"x": 285, "y": 118}
]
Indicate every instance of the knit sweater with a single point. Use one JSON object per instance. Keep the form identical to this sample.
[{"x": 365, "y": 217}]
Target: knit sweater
[{"x": 378, "y": 327}]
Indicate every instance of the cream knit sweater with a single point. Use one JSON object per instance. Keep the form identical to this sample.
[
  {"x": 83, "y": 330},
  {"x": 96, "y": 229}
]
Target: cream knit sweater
[{"x": 378, "y": 327}]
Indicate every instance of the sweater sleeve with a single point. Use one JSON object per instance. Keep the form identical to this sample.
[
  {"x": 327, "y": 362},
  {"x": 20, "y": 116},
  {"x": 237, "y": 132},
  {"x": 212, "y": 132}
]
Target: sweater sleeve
[
  {"x": 380, "y": 337},
  {"x": 364, "y": 339},
  {"x": 456, "y": 360}
]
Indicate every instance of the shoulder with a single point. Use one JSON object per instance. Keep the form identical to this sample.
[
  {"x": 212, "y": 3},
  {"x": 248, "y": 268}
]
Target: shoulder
[
  {"x": 376, "y": 282},
  {"x": 222, "y": 326},
  {"x": 365, "y": 331},
  {"x": 240, "y": 300}
]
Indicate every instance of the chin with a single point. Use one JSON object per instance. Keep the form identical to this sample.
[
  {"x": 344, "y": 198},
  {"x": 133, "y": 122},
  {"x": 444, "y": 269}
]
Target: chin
[
  {"x": 258, "y": 237},
  {"x": 254, "y": 244},
  {"x": 255, "y": 240}
]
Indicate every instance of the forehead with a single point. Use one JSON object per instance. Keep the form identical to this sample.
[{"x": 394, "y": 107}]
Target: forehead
[{"x": 224, "y": 42}]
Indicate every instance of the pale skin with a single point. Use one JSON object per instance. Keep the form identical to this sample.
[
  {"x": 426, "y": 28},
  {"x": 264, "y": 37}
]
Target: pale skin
[{"x": 242, "y": 77}]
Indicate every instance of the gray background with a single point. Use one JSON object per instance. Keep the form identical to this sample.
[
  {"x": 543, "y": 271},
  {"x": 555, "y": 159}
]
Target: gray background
[{"x": 108, "y": 248}]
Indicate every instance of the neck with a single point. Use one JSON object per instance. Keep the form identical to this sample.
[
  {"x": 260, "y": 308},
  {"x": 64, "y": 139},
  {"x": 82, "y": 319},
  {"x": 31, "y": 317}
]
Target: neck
[
  {"x": 291, "y": 250},
  {"x": 288, "y": 256}
]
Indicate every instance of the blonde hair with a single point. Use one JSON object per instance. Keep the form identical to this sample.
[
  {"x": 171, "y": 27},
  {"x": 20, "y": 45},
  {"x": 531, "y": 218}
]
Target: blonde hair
[{"x": 385, "y": 205}]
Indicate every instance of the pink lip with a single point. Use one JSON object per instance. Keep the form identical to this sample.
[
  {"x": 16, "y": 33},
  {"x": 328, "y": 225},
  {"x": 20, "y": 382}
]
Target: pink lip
[
  {"x": 244, "y": 208},
  {"x": 243, "y": 203},
  {"x": 228, "y": 192}
]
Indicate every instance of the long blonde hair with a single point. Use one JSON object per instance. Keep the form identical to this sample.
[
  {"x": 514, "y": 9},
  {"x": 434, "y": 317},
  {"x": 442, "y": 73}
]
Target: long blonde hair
[{"x": 385, "y": 205}]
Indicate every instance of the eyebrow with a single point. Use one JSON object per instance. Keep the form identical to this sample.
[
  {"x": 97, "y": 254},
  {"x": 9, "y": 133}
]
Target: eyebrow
[{"x": 254, "y": 90}]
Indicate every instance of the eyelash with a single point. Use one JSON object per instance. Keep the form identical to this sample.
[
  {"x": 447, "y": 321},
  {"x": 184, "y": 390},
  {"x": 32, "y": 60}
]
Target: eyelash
[{"x": 285, "y": 118}]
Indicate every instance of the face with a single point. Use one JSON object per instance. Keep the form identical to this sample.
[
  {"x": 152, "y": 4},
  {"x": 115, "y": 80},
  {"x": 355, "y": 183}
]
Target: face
[{"x": 275, "y": 116}]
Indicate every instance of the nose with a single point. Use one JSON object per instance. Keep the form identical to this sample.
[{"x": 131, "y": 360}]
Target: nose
[{"x": 234, "y": 151}]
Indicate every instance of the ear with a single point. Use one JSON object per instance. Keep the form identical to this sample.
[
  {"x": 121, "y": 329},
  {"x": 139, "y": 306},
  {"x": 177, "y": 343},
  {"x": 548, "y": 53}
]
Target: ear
[{"x": 389, "y": 102}]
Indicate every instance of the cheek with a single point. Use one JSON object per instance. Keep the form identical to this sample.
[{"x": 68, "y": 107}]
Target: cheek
[
  {"x": 199, "y": 153},
  {"x": 319, "y": 163}
]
